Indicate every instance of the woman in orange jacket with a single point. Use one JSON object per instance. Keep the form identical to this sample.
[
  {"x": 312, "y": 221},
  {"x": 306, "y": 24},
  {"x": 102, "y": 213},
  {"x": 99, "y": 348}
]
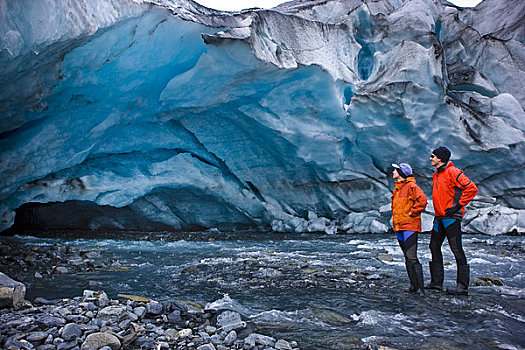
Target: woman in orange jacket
[{"x": 408, "y": 201}]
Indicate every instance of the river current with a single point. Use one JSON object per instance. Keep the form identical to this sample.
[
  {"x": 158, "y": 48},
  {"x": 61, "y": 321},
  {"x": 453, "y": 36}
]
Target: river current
[{"x": 325, "y": 291}]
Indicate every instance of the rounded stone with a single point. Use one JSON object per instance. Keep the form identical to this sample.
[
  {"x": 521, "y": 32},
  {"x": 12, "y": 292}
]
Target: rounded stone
[
  {"x": 111, "y": 314},
  {"x": 98, "y": 340},
  {"x": 185, "y": 333},
  {"x": 154, "y": 308},
  {"x": 36, "y": 336},
  {"x": 71, "y": 331},
  {"x": 230, "y": 338},
  {"x": 140, "y": 311},
  {"x": 48, "y": 321}
]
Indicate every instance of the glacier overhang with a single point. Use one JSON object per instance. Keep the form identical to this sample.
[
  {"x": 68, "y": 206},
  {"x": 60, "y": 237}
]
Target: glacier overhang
[{"x": 159, "y": 115}]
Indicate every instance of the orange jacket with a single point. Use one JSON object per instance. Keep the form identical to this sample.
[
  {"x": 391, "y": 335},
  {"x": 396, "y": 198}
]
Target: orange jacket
[
  {"x": 451, "y": 187},
  {"x": 408, "y": 201}
]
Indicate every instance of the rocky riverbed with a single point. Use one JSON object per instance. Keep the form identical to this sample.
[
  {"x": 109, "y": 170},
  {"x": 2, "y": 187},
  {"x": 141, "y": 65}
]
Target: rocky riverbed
[
  {"x": 324, "y": 292},
  {"x": 94, "y": 321},
  {"x": 31, "y": 263}
]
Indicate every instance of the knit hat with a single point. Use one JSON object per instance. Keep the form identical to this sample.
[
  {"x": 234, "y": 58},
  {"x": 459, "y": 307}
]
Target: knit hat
[
  {"x": 442, "y": 153},
  {"x": 403, "y": 169}
]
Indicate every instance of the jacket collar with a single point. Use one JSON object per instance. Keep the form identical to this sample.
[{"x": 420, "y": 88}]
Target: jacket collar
[
  {"x": 403, "y": 182},
  {"x": 445, "y": 166}
]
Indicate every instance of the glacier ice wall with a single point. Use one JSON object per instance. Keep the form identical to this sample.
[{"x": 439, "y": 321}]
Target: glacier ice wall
[{"x": 166, "y": 115}]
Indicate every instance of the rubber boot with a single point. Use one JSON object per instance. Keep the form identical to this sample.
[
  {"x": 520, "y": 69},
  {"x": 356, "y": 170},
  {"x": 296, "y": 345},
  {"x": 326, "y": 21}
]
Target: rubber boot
[
  {"x": 419, "y": 278},
  {"x": 463, "y": 281},
  {"x": 437, "y": 275},
  {"x": 412, "y": 277}
]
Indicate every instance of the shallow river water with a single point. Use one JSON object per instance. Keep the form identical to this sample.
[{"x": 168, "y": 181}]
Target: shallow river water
[{"x": 326, "y": 292}]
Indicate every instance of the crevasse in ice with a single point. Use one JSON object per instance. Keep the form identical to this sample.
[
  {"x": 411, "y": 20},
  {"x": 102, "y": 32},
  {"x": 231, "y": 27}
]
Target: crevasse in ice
[{"x": 167, "y": 115}]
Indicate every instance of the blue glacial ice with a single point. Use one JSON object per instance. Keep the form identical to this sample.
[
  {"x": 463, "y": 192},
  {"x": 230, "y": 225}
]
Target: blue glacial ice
[{"x": 166, "y": 115}]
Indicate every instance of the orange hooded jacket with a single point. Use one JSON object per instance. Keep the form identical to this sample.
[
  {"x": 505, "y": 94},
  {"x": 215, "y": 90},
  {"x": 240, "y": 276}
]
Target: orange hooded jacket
[
  {"x": 408, "y": 201},
  {"x": 451, "y": 187}
]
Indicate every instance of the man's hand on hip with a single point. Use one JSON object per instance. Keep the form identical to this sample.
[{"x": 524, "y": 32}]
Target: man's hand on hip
[{"x": 452, "y": 210}]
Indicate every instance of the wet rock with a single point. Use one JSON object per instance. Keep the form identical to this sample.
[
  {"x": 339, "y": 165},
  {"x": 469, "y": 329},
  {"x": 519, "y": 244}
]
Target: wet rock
[
  {"x": 230, "y": 338},
  {"x": 58, "y": 341},
  {"x": 230, "y": 320},
  {"x": 189, "y": 306},
  {"x": 154, "y": 308},
  {"x": 46, "y": 347},
  {"x": 27, "y": 325},
  {"x": 283, "y": 345},
  {"x": 67, "y": 345},
  {"x": 14, "y": 323},
  {"x": 94, "y": 284},
  {"x": 140, "y": 311},
  {"x": 268, "y": 273},
  {"x": 62, "y": 311},
  {"x": 132, "y": 316},
  {"x": 90, "y": 254},
  {"x": 374, "y": 276},
  {"x": 88, "y": 295},
  {"x": 351, "y": 343},
  {"x": 175, "y": 317},
  {"x": 61, "y": 269},
  {"x": 486, "y": 281},
  {"x": 210, "y": 330},
  {"x": 48, "y": 321},
  {"x": 216, "y": 339},
  {"x": 36, "y": 336},
  {"x": 15, "y": 344},
  {"x": 102, "y": 300},
  {"x": 71, "y": 331},
  {"x": 128, "y": 336},
  {"x": 171, "y": 334},
  {"x": 12, "y": 293},
  {"x": 385, "y": 257},
  {"x": 91, "y": 307},
  {"x": 111, "y": 314},
  {"x": 205, "y": 336},
  {"x": 43, "y": 301},
  {"x": 96, "y": 341},
  {"x": 144, "y": 343},
  {"x": 258, "y": 339},
  {"x": 189, "y": 270},
  {"x": 163, "y": 345},
  {"x": 206, "y": 347},
  {"x": 185, "y": 333},
  {"x": 75, "y": 318},
  {"x": 330, "y": 316}
]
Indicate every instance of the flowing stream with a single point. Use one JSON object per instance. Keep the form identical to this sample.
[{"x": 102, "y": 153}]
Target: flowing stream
[{"x": 326, "y": 292}]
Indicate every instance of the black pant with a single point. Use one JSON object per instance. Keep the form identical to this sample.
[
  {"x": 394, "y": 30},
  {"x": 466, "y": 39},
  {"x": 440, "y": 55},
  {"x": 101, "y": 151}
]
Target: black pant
[
  {"x": 409, "y": 248},
  {"x": 443, "y": 228}
]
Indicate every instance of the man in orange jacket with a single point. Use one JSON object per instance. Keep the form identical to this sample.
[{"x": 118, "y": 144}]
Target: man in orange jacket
[
  {"x": 408, "y": 201},
  {"x": 451, "y": 192}
]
